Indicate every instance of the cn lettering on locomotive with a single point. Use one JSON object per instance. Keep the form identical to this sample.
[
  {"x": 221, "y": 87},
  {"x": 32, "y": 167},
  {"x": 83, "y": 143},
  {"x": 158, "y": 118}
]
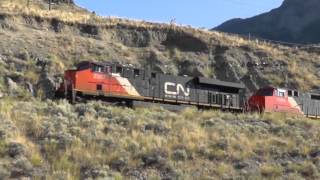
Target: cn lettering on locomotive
[{"x": 175, "y": 89}]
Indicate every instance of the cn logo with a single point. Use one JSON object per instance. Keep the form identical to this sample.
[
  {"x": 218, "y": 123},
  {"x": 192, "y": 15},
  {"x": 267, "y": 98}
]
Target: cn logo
[{"x": 176, "y": 89}]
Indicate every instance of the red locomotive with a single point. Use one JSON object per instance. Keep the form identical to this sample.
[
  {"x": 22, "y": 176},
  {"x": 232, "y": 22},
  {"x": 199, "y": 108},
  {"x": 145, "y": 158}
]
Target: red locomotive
[
  {"x": 97, "y": 80},
  {"x": 270, "y": 99},
  {"x": 122, "y": 83}
]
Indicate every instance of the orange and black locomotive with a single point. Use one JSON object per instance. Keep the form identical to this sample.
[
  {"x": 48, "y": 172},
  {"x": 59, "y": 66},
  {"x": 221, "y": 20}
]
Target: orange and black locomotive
[{"x": 123, "y": 83}]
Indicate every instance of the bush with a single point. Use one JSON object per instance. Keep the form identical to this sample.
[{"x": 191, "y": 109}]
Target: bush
[
  {"x": 179, "y": 155},
  {"x": 65, "y": 164},
  {"x": 306, "y": 169},
  {"x": 271, "y": 171},
  {"x": 3, "y": 148},
  {"x": 36, "y": 160}
]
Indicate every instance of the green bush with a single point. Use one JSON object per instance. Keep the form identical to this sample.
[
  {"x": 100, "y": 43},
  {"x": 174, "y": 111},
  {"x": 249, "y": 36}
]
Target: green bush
[{"x": 3, "y": 148}]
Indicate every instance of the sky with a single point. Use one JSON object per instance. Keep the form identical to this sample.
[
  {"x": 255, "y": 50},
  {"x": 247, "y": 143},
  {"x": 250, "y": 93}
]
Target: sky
[{"x": 197, "y": 13}]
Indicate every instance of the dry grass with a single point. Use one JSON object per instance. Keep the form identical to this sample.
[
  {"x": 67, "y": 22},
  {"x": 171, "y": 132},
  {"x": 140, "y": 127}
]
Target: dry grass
[
  {"x": 186, "y": 141},
  {"x": 271, "y": 171},
  {"x": 35, "y": 9},
  {"x": 304, "y": 76}
]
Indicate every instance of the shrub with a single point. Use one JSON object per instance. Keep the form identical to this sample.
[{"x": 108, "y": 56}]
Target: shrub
[
  {"x": 223, "y": 169},
  {"x": 271, "y": 171},
  {"x": 36, "y": 160},
  {"x": 306, "y": 169},
  {"x": 217, "y": 154},
  {"x": 180, "y": 155},
  {"x": 65, "y": 164},
  {"x": 3, "y": 148}
]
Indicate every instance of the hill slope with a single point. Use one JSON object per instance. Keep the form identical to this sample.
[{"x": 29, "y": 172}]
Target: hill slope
[
  {"x": 39, "y": 44},
  {"x": 55, "y": 140},
  {"x": 294, "y": 21}
]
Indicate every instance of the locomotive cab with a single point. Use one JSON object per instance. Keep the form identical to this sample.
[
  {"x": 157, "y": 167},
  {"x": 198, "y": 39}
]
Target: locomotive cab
[
  {"x": 94, "y": 67},
  {"x": 270, "y": 99},
  {"x": 98, "y": 80}
]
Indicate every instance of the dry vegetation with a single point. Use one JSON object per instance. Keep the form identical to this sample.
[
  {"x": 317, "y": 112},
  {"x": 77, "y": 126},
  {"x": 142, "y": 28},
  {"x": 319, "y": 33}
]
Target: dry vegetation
[{"x": 93, "y": 140}]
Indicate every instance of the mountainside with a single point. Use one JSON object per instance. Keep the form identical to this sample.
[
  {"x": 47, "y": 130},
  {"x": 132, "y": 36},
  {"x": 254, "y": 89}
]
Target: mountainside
[
  {"x": 294, "y": 21},
  {"x": 43, "y": 138},
  {"x": 40, "y": 44}
]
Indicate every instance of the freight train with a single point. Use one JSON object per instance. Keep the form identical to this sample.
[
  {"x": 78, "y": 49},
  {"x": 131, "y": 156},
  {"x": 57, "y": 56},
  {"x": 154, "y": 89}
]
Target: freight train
[{"x": 116, "y": 83}]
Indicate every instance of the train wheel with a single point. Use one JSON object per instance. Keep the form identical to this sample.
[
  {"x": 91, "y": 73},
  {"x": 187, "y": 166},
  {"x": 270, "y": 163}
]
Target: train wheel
[
  {"x": 129, "y": 104},
  {"x": 73, "y": 96},
  {"x": 65, "y": 90}
]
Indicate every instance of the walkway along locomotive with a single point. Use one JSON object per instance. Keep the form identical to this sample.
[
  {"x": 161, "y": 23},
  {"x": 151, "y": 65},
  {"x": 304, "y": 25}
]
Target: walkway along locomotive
[{"x": 118, "y": 83}]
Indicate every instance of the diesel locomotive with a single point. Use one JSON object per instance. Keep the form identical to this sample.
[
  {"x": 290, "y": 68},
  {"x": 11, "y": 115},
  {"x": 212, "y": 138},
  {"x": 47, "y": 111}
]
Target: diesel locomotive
[
  {"x": 116, "y": 83},
  {"x": 271, "y": 99}
]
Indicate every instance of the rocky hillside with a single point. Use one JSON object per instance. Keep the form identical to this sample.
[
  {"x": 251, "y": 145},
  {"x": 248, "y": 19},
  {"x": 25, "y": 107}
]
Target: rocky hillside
[
  {"x": 294, "y": 21},
  {"x": 37, "y": 45}
]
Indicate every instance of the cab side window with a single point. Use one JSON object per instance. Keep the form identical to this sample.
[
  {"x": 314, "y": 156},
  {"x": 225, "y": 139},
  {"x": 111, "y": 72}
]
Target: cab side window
[
  {"x": 97, "y": 68},
  {"x": 281, "y": 93},
  {"x": 108, "y": 69},
  {"x": 119, "y": 69},
  {"x": 136, "y": 72}
]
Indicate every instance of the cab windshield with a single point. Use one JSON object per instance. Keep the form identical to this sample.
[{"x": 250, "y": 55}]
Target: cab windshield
[
  {"x": 83, "y": 66},
  {"x": 265, "y": 92}
]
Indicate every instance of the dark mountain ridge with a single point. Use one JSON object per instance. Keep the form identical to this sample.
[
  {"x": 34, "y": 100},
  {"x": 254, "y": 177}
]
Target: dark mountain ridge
[{"x": 294, "y": 21}]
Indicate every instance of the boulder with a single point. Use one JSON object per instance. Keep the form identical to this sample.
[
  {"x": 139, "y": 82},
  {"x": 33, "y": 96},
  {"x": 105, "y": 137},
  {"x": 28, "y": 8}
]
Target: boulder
[
  {"x": 156, "y": 128},
  {"x": 155, "y": 158},
  {"x": 88, "y": 172},
  {"x": 1, "y": 95},
  {"x": 118, "y": 164},
  {"x": 315, "y": 152},
  {"x": 12, "y": 87},
  {"x": 29, "y": 88},
  {"x": 47, "y": 86}
]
